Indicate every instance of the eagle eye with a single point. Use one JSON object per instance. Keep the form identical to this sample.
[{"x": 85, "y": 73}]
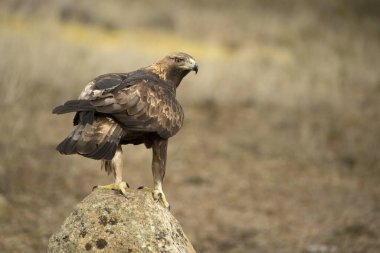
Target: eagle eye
[{"x": 178, "y": 60}]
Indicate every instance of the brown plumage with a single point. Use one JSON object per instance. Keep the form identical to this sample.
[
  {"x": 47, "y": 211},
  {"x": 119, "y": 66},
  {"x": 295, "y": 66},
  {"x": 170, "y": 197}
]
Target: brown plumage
[{"x": 129, "y": 108}]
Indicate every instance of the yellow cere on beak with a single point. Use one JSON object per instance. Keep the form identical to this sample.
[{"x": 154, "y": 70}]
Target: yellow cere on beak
[{"x": 191, "y": 64}]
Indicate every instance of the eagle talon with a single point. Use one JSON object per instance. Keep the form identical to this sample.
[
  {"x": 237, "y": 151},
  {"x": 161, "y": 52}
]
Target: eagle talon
[
  {"x": 120, "y": 187},
  {"x": 157, "y": 195},
  {"x": 160, "y": 197}
]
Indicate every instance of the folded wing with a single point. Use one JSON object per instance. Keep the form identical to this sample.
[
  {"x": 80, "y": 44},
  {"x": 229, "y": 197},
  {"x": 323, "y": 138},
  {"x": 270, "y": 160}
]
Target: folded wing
[{"x": 138, "y": 101}]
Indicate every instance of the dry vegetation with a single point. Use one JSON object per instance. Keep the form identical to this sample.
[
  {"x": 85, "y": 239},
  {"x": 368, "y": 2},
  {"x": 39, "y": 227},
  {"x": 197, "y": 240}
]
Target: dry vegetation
[{"x": 281, "y": 147}]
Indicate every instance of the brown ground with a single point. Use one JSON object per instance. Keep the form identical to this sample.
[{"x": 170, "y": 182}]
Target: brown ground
[{"x": 280, "y": 151}]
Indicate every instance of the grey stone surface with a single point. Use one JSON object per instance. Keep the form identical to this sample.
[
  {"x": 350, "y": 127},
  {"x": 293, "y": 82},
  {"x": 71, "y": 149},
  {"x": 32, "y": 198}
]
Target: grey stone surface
[{"x": 106, "y": 221}]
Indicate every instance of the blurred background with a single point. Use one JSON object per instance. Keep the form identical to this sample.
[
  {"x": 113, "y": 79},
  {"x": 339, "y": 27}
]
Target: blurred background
[{"x": 280, "y": 151}]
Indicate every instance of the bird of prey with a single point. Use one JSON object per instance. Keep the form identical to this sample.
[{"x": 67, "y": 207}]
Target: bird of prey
[{"x": 138, "y": 107}]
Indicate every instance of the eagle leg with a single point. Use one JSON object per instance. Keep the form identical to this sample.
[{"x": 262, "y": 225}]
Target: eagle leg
[
  {"x": 157, "y": 196},
  {"x": 116, "y": 167},
  {"x": 159, "y": 147}
]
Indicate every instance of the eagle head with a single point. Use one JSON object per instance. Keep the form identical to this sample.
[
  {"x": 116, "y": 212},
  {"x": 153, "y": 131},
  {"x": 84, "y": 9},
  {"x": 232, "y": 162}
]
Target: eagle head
[
  {"x": 182, "y": 62},
  {"x": 175, "y": 67}
]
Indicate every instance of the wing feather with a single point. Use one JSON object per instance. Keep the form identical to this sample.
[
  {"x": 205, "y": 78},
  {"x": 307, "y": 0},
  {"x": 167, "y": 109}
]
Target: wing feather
[
  {"x": 130, "y": 99},
  {"x": 138, "y": 101}
]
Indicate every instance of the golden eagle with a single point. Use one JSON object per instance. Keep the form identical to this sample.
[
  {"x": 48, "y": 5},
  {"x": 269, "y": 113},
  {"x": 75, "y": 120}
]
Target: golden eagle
[{"x": 129, "y": 108}]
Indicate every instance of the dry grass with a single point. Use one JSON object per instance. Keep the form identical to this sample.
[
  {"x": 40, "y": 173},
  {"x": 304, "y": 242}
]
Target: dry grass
[{"x": 280, "y": 150}]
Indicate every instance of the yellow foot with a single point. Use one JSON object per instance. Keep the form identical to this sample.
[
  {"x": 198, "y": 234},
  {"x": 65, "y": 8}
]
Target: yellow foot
[
  {"x": 157, "y": 196},
  {"x": 122, "y": 187}
]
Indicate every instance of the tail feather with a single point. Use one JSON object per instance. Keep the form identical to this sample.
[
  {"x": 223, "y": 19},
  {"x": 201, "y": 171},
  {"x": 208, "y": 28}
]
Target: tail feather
[
  {"x": 74, "y": 106},
  {"x": 68, "y": 145},
  {"x": 106, "y": 151},
  {"x": 98, "y": 140}
]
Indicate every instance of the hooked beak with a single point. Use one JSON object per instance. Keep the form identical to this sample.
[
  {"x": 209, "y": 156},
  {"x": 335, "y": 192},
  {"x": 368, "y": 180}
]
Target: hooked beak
[
  {"x": 195, "y": 68},
  {"x": 191, "y": 64}
]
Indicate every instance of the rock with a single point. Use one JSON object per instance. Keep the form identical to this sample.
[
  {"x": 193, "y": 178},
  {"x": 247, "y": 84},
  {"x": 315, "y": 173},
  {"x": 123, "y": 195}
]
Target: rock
[{"x": 106, "y": 221}]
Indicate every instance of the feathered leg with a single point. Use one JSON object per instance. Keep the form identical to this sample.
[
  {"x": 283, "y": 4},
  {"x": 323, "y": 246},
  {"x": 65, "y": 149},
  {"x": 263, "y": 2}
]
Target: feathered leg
[
  {"x": 159, "y": 147},
  {"x": 116, "y": 167}
]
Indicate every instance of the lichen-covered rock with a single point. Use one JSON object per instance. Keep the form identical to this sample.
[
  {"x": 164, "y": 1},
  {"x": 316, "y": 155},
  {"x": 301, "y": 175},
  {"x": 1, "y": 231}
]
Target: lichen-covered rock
[{"x": 106, "y": 221}]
